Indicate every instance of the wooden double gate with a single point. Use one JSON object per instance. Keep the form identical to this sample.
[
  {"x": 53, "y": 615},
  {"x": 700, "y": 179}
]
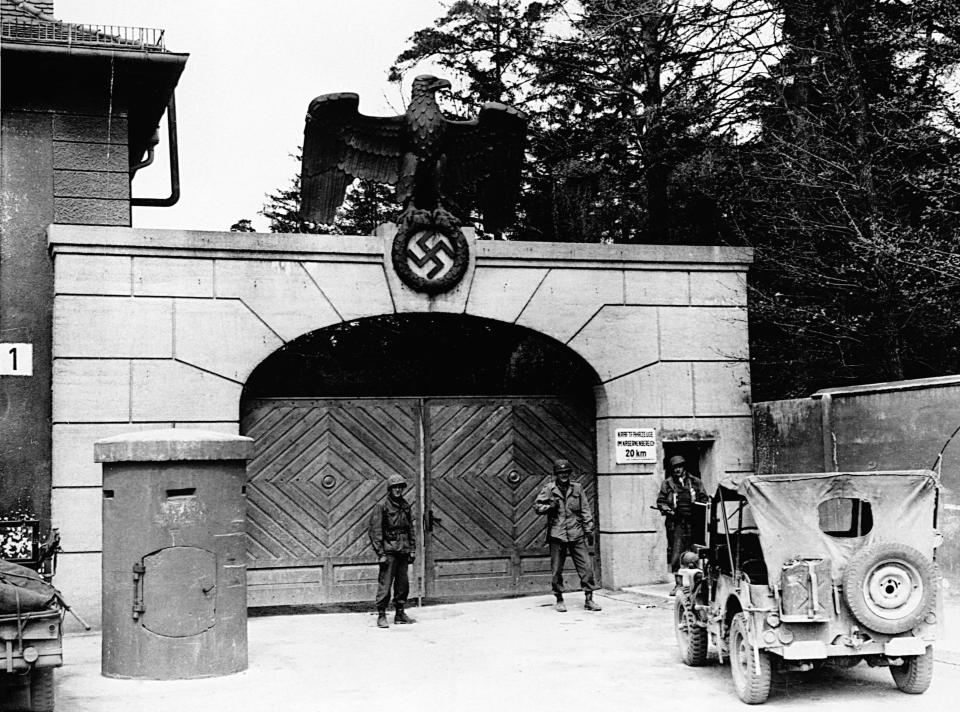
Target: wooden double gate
[{"x": 473, "y": 465}]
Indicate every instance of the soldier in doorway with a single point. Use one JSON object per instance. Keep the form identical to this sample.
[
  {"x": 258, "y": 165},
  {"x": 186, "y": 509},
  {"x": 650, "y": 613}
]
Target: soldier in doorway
[
  {"x": 677, "y": 500},
  {"x": 393, "y": 538},
  {"x": 569, "y": 531}
]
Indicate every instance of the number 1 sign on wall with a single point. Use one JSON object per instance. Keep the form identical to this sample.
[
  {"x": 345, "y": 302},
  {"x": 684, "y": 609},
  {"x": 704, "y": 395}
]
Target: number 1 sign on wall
[{"x": 16, "y": 359}]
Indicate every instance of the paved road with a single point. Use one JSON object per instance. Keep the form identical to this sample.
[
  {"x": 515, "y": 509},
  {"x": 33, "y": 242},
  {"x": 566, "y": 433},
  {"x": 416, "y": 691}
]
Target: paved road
[{"x": 493, "y": 655}]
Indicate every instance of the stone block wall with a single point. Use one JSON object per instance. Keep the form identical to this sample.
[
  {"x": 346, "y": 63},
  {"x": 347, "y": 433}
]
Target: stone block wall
[{"x": 161, "y": 328}]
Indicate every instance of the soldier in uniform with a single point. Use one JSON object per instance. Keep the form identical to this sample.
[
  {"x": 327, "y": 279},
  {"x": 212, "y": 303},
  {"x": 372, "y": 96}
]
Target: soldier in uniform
[
  {"x": 393, "y": 539},
  {"x": 676, "y": 501},
  {"x": 569, "y": 531}
]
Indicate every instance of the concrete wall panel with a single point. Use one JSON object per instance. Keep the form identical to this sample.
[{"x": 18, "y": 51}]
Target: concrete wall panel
[
  {"x": 222, "y": 336},
  {"x": 619, "y": 339},
  {"x": 91, "y": 391},
  {"x": 649, "y": 286},
  {"x": 281, "y": 293},
  {"x": 722, "y": 388},
  {"x": 354, "y": 289},
  {"x": 76, "y": 512},
  {"x": 728, "y": 289},
  {"x": 568, "y": 298},
  {"x": 626, "y": 500},
  {"x": 73, "y": 464},
  {"x": 501, "y": 293},
  {"x": 703, "y": 333},
  {"x": 93, "y": 274},
  {"x": 169, "y": 390},
  {"x": 633, "y": 559},
  {"x": 184, "y": 277},
  {"x": 113, "y": 327},
  {"x": 663, "y": 389}
]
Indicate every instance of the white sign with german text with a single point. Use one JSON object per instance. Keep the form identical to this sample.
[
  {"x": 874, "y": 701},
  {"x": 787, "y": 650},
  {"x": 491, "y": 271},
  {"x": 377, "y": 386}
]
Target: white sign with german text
[
  {"x": 16, "y": 359},
  {"x": 635, "y": 445}
]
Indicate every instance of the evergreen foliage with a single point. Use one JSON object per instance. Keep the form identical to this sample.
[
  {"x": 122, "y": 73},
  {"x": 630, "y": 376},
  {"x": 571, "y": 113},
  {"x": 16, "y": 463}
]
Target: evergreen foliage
[{"x": 823, "y": 133}]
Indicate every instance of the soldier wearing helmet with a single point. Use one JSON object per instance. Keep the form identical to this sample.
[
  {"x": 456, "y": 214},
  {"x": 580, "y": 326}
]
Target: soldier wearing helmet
[
  {"x": 569, "y": 531},
  {"x": 393, "y": 539},
  {"x": 676, "y": 501}
]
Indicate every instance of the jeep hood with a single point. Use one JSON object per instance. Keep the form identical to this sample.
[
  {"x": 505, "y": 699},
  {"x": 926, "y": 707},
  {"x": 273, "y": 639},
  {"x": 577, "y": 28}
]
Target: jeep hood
[{"x": 785, "y": 508}]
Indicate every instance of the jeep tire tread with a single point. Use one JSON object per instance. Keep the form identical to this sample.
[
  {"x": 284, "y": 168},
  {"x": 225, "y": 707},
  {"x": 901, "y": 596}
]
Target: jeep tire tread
[
  {"x": 691, "y": 638},
  {"x": 41, "y": 690},
  {"x": 889, "y": 588},
  {"x": 752, "y": 687},
  {"x": 914, "y": 676}
]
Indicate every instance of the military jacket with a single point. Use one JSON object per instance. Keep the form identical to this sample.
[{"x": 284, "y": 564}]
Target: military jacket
[
  {"x": 676, "y": 498},
  {"x": 570, "y": 516},
  {"x": 391, "y": 528}
]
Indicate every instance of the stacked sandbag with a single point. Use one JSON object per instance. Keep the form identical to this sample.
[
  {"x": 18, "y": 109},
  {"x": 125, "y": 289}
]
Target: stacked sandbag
[{"x": 23, "y": 590}]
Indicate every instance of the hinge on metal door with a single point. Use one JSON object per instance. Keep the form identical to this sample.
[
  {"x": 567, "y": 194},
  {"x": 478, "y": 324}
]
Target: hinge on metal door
[{"x": 138, "y": 571}]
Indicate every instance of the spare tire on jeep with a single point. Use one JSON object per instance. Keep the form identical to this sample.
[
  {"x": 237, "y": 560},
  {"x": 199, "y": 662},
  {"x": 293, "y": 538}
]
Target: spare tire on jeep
[{"x": 889, "y": 587}]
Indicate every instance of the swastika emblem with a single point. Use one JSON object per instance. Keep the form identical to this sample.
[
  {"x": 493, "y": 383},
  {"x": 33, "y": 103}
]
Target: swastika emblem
[{"x": 429, "y": 260}]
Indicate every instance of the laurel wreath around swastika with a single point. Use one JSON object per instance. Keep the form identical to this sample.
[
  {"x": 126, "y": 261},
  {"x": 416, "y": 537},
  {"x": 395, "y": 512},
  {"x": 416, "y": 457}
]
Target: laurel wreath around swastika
[{"x": 431, "y": 260}]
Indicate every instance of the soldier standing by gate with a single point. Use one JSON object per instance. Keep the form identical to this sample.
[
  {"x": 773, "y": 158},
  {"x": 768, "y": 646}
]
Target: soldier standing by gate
[
  {"x": 393, "y": 539},
  {"x": 678, "y": 494},
  {"x": 569, "y": 531}
]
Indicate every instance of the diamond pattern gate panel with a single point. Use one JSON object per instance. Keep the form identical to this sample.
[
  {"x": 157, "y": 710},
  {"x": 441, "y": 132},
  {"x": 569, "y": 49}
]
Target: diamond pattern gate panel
[
  {"x": 319, "y": 467},
  {"x": 485, "y": 462}
]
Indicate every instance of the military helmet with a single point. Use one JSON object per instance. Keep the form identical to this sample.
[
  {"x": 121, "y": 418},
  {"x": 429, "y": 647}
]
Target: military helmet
[
  {"x": 394, "y": 480},
  {"x": 562, "y": 465},
  {"x": 677, "y": 460}
]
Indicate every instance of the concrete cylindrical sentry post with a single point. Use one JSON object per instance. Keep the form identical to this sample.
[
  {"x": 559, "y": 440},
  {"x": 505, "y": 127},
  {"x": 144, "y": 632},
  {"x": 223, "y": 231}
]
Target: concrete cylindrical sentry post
[{"x": 174, "y": 560}]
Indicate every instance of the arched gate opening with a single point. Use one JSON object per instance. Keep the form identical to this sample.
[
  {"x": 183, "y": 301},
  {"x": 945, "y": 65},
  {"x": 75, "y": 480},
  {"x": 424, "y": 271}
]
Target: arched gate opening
[{"x": 470, "y": 411}]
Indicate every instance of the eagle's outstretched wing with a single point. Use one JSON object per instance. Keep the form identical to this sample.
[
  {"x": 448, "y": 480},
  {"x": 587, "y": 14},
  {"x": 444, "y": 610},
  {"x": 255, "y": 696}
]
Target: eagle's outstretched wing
[
  {"x": 340, "y": 144},
  {"x": 484, "y": 159}
]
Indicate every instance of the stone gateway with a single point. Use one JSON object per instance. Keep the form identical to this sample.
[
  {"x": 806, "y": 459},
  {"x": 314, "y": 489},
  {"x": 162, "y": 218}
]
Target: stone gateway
[{"x": 157, "y": 328}]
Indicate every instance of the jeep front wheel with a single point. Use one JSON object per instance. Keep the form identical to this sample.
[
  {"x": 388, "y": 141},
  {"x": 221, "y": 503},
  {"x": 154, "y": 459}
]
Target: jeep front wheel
[
  {"x": 889, "y": 587},
  {"x": 751, "y": 670},
  {"x": 914, "y": 676},
  {"x": 691, "y": 637}
]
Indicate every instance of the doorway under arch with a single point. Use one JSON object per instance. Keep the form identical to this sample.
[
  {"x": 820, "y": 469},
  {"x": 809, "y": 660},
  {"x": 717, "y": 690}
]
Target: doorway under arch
[{"x": 470, "y": 411}]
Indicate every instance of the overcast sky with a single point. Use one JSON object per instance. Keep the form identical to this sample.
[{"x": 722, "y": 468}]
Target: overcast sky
[{"x": 254, "y": 67}]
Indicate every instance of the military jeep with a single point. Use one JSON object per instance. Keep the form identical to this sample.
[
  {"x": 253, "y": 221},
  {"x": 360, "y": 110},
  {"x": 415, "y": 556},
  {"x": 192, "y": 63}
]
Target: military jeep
[
  {"x": 31, "y": 617},
  {"x": 803, "y": 570}
]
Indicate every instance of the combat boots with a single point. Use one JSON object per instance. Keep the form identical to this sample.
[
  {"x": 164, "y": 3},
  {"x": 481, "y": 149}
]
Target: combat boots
[
  {"x": 589, "y": 604},
  {"x": 382, "y": 618},
  {"x": 400, "y": 617}
]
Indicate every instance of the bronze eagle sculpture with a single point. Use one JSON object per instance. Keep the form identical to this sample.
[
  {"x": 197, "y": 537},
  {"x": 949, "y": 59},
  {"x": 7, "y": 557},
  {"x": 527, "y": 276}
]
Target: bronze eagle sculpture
[{"x": 441, "y": 169}]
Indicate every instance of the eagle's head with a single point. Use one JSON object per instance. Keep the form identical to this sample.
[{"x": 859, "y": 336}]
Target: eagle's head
[{"x": 427, "y": 85}]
